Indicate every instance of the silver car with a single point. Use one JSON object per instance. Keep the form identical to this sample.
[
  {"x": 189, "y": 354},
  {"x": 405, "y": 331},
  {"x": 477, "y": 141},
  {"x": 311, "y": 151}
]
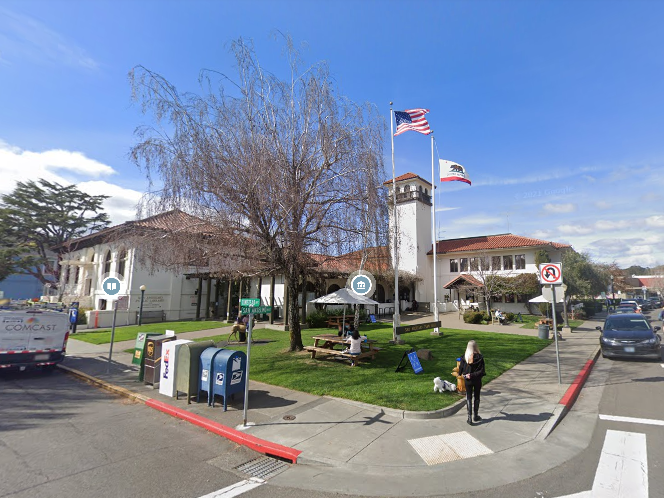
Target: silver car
[{"x": 629, "y": 335}]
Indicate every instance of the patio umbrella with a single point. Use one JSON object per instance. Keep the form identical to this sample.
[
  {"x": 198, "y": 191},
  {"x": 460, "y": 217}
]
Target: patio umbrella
[
  {"x": 538, "y": 299},
  {"x": 343, "y": 296}
]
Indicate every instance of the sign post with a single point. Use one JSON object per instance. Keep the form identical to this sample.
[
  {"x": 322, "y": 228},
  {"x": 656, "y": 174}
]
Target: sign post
[
  {"x": 251, "y": 306},
  {"x": 110, "y": 351},
  {"x": 552, "y": 274}
]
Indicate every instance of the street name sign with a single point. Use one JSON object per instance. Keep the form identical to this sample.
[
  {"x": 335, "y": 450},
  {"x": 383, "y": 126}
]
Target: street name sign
[
  {"x": 256, "y": 310},
  {"x": 250, "y": 301}
]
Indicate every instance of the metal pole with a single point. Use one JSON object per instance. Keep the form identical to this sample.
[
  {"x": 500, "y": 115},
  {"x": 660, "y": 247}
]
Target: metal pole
[
  {"x": 396, "y": 317},
  {"x": 110, "y": 350},
  {"x": 246, "y": 381},
  {"x": 140, "y": 311},
  {"x": 433, "y": 237},
  {"x": 555, "y": 331}
]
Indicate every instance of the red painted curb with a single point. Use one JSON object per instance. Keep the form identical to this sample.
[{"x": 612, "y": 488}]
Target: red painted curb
[
  {"x": 573, "y": 391},
  {"x": 256, "y": 444}
]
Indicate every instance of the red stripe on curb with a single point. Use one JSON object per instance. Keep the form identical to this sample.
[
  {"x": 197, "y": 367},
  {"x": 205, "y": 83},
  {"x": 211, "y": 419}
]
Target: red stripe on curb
[
  {"x": 574, "y": 390},
  {"x": 256, "y": 444}
]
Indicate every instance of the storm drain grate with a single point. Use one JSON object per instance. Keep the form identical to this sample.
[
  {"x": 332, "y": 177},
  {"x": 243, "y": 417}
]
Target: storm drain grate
[{"x": 263, "y": 467}]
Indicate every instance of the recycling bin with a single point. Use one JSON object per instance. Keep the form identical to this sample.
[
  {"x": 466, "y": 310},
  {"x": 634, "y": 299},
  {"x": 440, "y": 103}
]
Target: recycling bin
[
  {"x": 187, "y": 364},
  {"x": 543, "y": 331},
  {"x": 153, "y": 347},
  {"x": 139, "y": 351},
  {"x": 229, "y": 374},
  {"x": 169, "y": 355},
  {"x": 205, "y": 373}
]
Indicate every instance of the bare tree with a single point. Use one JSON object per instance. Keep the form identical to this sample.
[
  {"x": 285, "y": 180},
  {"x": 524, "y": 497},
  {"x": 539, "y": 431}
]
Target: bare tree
[{"x": 283, "y": 165}]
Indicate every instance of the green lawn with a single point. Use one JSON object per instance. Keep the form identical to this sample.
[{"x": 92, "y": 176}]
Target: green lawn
[
  {"x": 530, "y": 322},
  {"x": 103, "y": 336},
  {"x": 375, "y": 381}
]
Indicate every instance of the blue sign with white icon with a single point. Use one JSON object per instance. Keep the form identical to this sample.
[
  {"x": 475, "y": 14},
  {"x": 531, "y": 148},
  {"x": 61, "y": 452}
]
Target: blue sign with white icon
[
  {"x": 361, "y": 285},
  {"x": 111, "y": 286}
]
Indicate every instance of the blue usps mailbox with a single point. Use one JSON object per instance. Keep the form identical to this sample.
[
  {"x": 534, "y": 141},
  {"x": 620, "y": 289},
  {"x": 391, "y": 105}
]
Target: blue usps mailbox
[
  {"x": 229, "y": 370},
  {"x": 205, "y": 373}
]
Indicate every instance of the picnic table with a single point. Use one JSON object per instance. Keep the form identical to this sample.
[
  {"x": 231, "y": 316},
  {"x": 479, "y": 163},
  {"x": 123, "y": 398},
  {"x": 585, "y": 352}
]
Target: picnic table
[{"x": 326, "y": 343}]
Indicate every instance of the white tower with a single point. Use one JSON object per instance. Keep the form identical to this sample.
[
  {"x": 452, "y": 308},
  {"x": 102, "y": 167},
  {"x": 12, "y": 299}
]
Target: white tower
[{"x": 413, "y": 230}]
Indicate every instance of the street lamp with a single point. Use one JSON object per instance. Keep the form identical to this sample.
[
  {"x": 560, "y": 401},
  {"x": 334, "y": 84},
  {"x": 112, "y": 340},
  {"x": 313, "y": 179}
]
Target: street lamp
[{"x": 140, "y": 310}]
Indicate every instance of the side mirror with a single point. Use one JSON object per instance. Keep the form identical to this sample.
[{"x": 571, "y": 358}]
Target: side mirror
[
  {"x": 598, "y": 328},
  {"x": 657, "y": 328}
]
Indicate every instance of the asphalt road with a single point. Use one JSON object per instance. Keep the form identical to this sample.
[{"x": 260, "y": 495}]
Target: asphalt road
[{"x": 60, "y": 437}]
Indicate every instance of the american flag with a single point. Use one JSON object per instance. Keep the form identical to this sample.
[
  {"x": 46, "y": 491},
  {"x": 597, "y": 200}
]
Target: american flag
[{"x": 412, "y": 119}]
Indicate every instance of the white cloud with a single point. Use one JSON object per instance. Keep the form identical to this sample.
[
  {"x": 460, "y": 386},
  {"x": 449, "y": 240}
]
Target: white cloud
[
  {"x": 612, "y": 225},
  {"x": 478, "y": 220},
  {"x": 603, "y": 205},
  {"x": 25, "y": 38},
  {"x": 560, "y": 208},
  {"x": 541, "y": 234},
  {"x": 655, "y": 221},
  {"x": 67, "y": 167},
  {"x": 589, "y": 179},
  {"x": 574, "y": 229}
]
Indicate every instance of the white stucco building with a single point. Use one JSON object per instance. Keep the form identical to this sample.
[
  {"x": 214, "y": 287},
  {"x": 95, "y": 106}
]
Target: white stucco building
[{"x": 195, "y": 294}]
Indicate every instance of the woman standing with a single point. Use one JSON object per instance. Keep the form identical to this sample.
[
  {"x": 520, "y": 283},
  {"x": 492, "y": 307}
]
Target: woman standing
[{"x": 472, "y": 369}]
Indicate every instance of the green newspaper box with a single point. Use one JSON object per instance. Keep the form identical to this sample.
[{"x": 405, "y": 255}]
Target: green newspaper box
[{"x": 139, "y": 351}]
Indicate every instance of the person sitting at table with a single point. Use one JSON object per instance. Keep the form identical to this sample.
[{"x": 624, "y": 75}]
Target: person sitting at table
[
  {"x": 355, "y": 340},
  {"x": 341, "y": 330},
  {"x": 350, "y": 326}
]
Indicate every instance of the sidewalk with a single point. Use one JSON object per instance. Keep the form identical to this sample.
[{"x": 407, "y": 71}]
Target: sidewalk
[{"x": 381, "y": 447}]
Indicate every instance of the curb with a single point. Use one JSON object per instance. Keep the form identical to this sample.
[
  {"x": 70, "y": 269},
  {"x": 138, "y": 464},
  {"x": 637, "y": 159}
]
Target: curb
[
  {"x": 406, "y": 414},
  {"x": 567, "y": 401},
  {"x": 259, "y": 445}
]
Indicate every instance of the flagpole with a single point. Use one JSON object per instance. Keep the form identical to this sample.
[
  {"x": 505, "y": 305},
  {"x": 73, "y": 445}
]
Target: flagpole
[
  {"x": 433, "y": 237},
  {"x": 396, "y": 318}
]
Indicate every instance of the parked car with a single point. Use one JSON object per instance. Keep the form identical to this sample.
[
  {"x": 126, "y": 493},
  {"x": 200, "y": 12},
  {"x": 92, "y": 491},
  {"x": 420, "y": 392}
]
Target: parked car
[
  {"x": 631, "y": 303},
  {"x": 623, "y": 310},
  {"x": 645, "y": 305},
  {"x": 629, "y": 335},
  {"x": 656, "y": 301}
]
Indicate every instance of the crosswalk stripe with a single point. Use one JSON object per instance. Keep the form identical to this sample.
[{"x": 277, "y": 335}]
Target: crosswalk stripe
[
  {"x": 622, "y": 471},
  {"x": 236, "y": 489},
  {"x": 647, "y": 421}
]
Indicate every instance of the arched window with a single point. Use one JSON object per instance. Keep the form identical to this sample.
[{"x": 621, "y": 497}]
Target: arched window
[
  {"x": 380, "y": 294},
  {"x": 332, "y": 288},
  {"x": 107, "y": 262},
  {"x": 122, "y": 262}
]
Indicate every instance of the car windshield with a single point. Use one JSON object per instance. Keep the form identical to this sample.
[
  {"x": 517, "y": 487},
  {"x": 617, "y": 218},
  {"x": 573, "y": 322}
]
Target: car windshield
[{"x": 623, "y": 327}]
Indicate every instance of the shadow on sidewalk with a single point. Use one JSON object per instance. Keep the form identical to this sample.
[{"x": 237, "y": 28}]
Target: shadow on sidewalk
[{"x": 518, "y": 417}]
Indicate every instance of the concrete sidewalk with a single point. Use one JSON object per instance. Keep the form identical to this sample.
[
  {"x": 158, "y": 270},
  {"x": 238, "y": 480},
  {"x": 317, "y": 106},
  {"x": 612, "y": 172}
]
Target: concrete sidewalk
[{"x": 340, "y": 439}]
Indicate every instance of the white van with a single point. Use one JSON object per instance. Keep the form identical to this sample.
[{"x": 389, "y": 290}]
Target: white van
[{"x": 32, "y": 338}]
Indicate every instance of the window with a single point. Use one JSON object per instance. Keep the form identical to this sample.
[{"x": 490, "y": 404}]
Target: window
[
  {"x": 107, "y": 262},
  {"x": 521, "y": 298},
  {"x": 65, "y": 276},
  {"x": 484, "y": 264},
  {"x": 76, "y": 272},
  {"x": 464, "y": 264},
  {"x": 122, "y": 262},
  {"x": 454, "y": 266},
  {"x": 508, "y": 264},
  {"x": 509, "y": 298},
  {"x": 495, "y": 263},
  {"x": 474, "y": 264},
  {"x": 102, "y": 304},
  {"x": 520, "y": 261}
]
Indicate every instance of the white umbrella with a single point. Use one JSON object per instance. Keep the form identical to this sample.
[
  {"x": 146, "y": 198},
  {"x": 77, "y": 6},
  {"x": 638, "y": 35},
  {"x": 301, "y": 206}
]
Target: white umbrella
[
  {"x": 538, "y": 299},
  {"x": 343, "y": 296}
]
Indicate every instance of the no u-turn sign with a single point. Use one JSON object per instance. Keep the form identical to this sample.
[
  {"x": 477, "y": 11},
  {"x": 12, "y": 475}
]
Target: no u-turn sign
[{"x": 551, "y": 274}]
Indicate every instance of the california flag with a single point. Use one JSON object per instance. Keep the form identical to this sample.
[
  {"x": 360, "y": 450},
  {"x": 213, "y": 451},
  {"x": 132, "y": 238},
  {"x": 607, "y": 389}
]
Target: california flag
[{"x": 451, "y": 172}]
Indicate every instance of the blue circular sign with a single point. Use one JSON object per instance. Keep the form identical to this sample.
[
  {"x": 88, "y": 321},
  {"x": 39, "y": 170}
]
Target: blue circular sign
[
  {"x": 111, "y": 286},
  {"x": 361, "y": 284}
]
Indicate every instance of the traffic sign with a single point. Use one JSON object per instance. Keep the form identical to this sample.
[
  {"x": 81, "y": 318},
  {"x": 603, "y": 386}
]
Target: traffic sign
[
  {"x": 250, "y": 301},
  {"x": 256, "y": 310},
  {"x": 551, "y": 274}
]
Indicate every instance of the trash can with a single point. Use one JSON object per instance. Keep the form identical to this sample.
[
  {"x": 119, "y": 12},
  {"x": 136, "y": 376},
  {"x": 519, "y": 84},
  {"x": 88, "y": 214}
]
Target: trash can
[
  {"x": 187, "y": 365},
  {"x": 205, "y": 373},
  {"x": 543, "y": 331},
  {"x": 153, "y": 358},
  {"x": 169, "y": 355},
  {"x": 139, "y": 352},
  {"x": 228, "y": 374}
]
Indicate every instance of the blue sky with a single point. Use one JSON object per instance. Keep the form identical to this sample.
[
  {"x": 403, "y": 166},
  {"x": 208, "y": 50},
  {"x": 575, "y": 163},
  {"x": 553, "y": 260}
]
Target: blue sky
[{"x": 554, "y": 108}]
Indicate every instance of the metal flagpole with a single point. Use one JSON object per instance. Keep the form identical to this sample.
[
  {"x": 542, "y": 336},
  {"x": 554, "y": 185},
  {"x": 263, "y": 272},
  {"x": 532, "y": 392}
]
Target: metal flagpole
[
  {"x": 433, "y": 237},
  {"x": 396, "y": 318}
]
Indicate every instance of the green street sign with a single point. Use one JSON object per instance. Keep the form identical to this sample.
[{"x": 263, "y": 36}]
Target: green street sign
[
  {"x": 256, "y": 310},
  {"x": 250, "y": 301}
]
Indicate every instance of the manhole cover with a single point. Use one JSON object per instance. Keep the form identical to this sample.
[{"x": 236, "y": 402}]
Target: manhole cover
[
  {"x": 289, "y": 417},
  {"x": 263, "y": 467}
]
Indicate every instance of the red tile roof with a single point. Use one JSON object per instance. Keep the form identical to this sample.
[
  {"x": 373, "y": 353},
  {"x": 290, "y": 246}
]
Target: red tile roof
[
  {"x": 650, "y": 281},
  {"x": 486, "y": 242},
  {"x": 469, "y": 279},
  {"x": 378, "y": 260},
  {"x": 406, "y": 176}
]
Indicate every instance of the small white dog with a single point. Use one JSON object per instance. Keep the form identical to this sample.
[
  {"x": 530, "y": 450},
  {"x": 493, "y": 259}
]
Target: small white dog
[{"x": 442, "y": 385}]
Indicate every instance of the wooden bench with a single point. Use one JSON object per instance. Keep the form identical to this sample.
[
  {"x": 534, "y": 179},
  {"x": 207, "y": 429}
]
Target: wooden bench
[
  {"x": 334, "y": 321},
  {"x": 346, "y": 356}
]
